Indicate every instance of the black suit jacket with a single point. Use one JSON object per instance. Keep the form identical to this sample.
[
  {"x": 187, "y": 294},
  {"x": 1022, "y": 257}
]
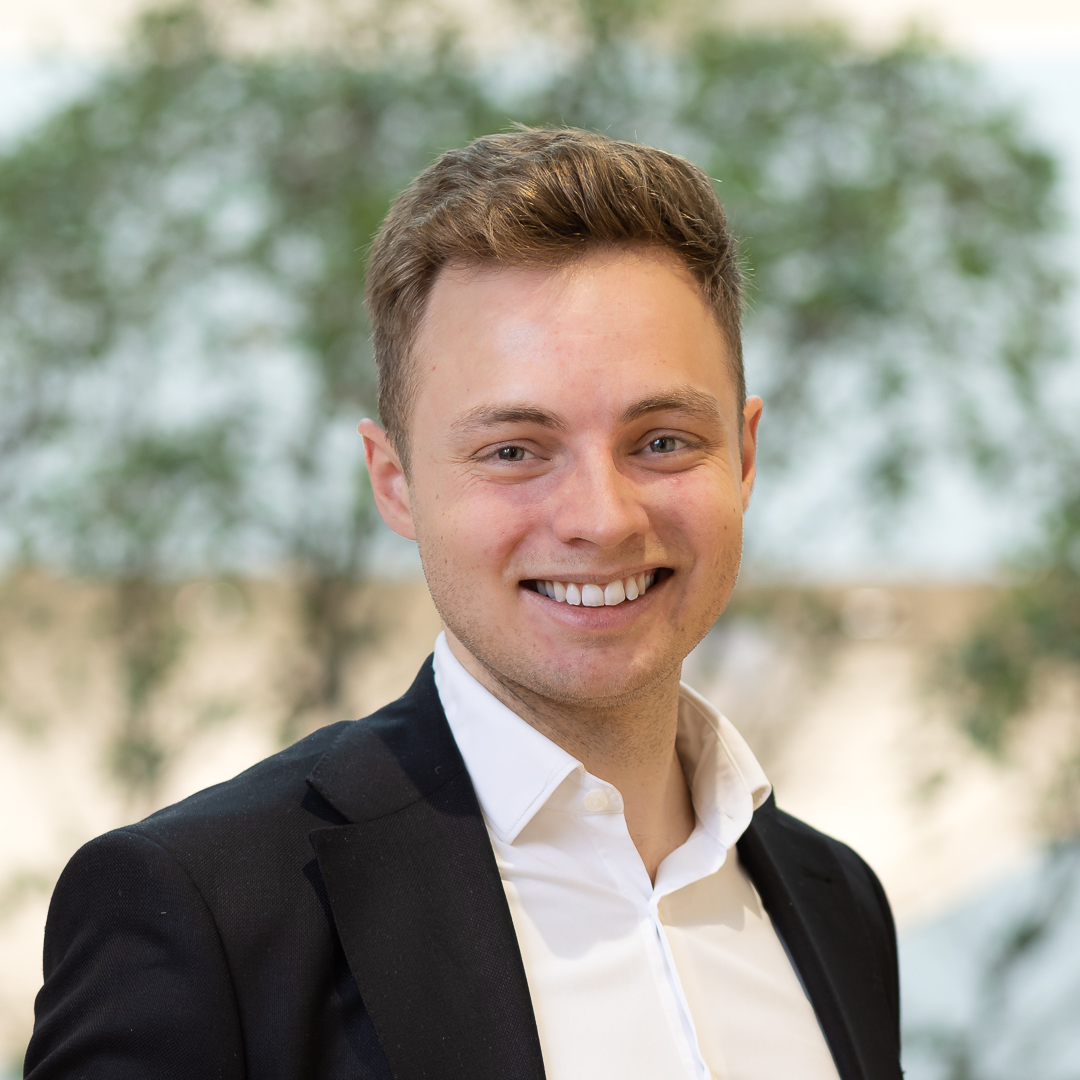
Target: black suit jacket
[{"x": 336, "y": 911}]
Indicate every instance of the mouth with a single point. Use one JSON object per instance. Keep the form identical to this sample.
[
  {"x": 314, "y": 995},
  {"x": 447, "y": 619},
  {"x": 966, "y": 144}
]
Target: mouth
[{"x": 602, "y": 594}]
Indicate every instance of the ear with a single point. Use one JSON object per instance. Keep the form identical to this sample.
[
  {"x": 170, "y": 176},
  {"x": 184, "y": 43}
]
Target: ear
[
  {"x": 751, "y": 419},
  {"x": 387, "y": 479}
]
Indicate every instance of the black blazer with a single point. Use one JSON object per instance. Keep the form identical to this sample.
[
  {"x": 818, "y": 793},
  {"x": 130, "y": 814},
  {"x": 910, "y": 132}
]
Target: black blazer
[{"x": 336, "y": 912}]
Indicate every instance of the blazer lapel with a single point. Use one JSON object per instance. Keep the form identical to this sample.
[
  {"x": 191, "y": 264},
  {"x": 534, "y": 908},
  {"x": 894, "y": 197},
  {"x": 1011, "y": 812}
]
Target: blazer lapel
[
  {"x": 810, "y": 900},
  {"x": 417, "y": 900}
]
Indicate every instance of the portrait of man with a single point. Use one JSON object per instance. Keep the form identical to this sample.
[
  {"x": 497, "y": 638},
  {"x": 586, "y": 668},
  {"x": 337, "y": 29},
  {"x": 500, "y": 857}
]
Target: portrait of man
[{"x": 549, "y": 857}]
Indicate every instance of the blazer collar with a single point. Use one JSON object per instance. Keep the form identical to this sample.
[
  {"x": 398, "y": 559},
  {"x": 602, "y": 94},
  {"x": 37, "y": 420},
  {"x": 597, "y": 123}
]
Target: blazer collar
[
  {"x": 417, "y": 900},
  {"x": 391, "y": 759},
  {"x": 811, "y": 898}
]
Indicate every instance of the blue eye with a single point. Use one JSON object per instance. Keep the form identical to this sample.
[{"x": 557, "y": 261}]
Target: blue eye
[
  {"x": 511, "y": 453},
  {"x": 665, "y": 444}
]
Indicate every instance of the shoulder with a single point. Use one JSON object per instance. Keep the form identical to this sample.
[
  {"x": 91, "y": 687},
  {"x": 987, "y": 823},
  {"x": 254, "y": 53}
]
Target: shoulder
[
  {"x": 209, "y": 842},
  {"x": 856, "y": 871},
  {"x": 265, "y": 810},
  {"x": 270, "y": 789},
  {"x": 257, "y": 826}
]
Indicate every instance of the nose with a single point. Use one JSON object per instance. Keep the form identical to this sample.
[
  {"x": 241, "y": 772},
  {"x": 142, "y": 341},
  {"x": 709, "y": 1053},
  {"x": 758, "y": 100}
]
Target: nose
[{"x": 598, "y": 504}]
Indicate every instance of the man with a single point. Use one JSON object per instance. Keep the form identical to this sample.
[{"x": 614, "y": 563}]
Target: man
[{"x": 547, "y": 858}]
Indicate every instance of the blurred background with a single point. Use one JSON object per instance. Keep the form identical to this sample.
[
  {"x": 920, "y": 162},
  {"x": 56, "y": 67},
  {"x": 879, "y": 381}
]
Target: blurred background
[{"x": 191, "y": 573}]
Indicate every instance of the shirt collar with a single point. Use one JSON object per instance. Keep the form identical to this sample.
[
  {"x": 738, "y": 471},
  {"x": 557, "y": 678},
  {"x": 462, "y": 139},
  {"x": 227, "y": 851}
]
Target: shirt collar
[
  {"x": 727, "y": 784},
  {"x": 515, "y": 769}
]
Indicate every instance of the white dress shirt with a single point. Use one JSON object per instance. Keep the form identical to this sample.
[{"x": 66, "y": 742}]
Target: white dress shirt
[{"x": 684, "y": 979}]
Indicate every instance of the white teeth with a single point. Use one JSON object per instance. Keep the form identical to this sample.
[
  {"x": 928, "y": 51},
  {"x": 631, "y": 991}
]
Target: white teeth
[
  {"x": 592, "y": 596},
  {"x": 610, "y": 595}
]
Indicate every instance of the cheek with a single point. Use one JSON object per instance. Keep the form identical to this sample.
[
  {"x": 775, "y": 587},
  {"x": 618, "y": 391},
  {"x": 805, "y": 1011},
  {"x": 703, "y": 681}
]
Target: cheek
[
  {"x": 706, "y": 514},
  {"x": 478, "y": 527}
]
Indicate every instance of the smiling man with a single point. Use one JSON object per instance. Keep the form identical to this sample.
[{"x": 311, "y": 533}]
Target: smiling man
[
  {"x": 578, "y": 502},
  {"x": 549, "y": 857}
]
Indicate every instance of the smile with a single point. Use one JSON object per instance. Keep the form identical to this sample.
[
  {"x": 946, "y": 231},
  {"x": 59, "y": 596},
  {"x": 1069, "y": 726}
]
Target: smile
[{"x": 609, "y": 595}]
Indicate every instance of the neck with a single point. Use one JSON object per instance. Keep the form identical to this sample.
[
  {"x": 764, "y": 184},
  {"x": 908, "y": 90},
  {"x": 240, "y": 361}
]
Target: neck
[{"x": 630, "y": 743}]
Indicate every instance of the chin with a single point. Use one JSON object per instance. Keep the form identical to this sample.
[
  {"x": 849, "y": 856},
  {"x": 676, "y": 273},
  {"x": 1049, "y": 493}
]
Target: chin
[{"x": 573, "y": 681}]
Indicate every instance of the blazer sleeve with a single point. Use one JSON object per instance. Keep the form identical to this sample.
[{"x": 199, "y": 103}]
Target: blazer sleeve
[{"x": 136, "y": 980}]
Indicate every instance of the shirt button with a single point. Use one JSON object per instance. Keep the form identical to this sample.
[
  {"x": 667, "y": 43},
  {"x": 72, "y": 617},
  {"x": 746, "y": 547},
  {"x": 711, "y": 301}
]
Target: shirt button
[{"x": 596, "y": 800}]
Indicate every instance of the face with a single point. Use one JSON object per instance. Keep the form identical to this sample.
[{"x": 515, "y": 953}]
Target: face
[{"x": 576, "y": 437}]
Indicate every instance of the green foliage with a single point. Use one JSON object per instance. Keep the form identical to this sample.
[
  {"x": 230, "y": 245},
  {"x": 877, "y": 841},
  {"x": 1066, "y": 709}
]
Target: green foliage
[
  {"x": 1034, "y": 630},
  {"x": 151, "y": 643},
  {"x": 132, "y": 511},
  {"x": 183, "y": 350}
]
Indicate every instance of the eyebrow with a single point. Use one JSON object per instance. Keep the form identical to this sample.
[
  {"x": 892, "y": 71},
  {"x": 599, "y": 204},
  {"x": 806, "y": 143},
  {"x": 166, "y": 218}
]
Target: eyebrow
[
  {"x": 487, "y": 416},
  {"x": 686, "y": 399}
]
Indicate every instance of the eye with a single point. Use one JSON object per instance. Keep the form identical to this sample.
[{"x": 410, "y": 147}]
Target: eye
[
  {"x": 664, "y": 444},
  {"x": 511, "y": 453}
]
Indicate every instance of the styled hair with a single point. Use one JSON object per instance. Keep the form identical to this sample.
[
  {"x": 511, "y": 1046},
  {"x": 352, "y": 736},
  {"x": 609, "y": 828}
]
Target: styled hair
[{"x": 539, "y": 197}]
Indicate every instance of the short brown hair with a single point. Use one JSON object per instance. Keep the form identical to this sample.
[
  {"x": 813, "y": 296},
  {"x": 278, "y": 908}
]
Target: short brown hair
[{"x": 539, "y": 197}]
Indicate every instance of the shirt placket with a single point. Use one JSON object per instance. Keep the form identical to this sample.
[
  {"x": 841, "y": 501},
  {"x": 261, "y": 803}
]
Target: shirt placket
[{"x": 607, "y": 828}]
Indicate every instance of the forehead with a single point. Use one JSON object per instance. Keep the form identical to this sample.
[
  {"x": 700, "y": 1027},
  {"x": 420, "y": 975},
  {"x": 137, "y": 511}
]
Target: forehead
[
  {"x": 612, "y": 326},
  {"x": 604, "y": 280}
]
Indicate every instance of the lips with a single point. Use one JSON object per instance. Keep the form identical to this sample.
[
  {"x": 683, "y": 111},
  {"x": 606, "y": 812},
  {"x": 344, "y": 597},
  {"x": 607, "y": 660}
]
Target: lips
[{"x": 589, "y": 594}]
